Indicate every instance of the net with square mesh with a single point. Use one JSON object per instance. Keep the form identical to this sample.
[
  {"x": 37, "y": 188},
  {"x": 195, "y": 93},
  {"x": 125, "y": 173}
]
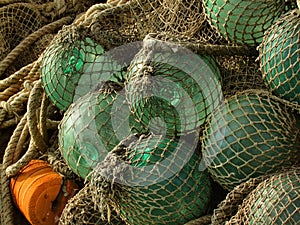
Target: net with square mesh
[
  {"x": 176, "y": 70},
  {"x": 249, "y": 135},
  {"x": 82, "y": 210},
  {"x": 93, "y": 126},
  {"x": 243, "y": 22},
  {"x": 279, "y": 57},
  {"x": 171, "y": 89},
  {"x": 154, "y": 180},
  {"x": 273, "y": 200}
]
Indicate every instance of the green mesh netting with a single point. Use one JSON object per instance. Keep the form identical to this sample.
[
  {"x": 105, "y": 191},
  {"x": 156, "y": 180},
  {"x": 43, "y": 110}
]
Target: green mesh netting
[
  {"x": 276, "y": 200},
  {"x": 81, "y": 210},
  {"x": 279, "y": 57},
  {"x": 249, "y": 135},
  {"x": 243, "y": 22},
  {"x": 170, "y": 89},
  {"x": 93, "y": 126},
  {"x": 153, "y": 180}
]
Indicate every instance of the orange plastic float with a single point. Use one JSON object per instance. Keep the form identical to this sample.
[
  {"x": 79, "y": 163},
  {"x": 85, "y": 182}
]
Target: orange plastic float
[{"x": 40, "y": 193}]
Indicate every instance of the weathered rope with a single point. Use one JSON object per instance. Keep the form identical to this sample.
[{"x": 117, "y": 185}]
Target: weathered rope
[
  {"x": 31, "y": 153},
  {"x": 11, "y": 90},
  {"x": 33, "y": 106},
  {"x": 43, "y": 116},
  {"x": 10, "y": 151},
  {"x": 7, "y": 214},
  {"x": 16, "y": 77},
  {"x": 9, "y": 59},
  {"x": 6, "y": 2},
  {"x": 87, "y": 17},
  {"x": 9, "y": 123}
]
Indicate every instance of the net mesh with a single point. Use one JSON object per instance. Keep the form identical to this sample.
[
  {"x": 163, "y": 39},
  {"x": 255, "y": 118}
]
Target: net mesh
[
  {"x": 170, "y": 89},
  {"x": 273, "y": 201},
  {"x": 82, "y": 210},
  {"x": 90, "y": 50},
  {"x": 17, "y": 21},
  {"x": 93, "y": 126},
  {"x": 244, "y": 22},
  {"x": 157, "y": 174},
  {"x": 279, "y": 57},
  {"x": 249, "y": 135}
]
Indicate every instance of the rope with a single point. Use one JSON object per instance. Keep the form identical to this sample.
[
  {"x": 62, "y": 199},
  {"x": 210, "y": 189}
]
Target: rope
[
  {"x": 7, "y": 2},
  {"x": 34, "y": 103},
  {"x": 87, "y": 17},
  {"x": 7, "y": 215},
  {"x": 10, "y": 151},
  {"x": 30, "y": 154},
  {"x": 43, "y": 116},
  {"x": 16, "y": 77},
  {"x": 30, "y": 39},
  {"x": 9, "y": 123},
  {"x": 14, "y": 88}
]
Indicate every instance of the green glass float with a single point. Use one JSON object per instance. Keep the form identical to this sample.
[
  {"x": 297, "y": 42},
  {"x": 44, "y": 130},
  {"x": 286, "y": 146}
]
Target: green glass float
[
  {"x": 71, "y": 68},
  {"x": 279, "y": 57},
  {"x": 93, "y": 126},
  {"x": 167, "y": 187},
  {"x": 248, "y": 136},
  {"x": 243, "y": 22},
  {"x": 172, "y": 91},
  {"x": 274, "y": 201}
]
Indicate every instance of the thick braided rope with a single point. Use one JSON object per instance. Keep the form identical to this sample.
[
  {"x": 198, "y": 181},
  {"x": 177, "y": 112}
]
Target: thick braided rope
[
  {"x": 7, "y": 214},
  {"x": 14, "y": 146},
  {"x": 6, "y": 2},
  {"x": 87, "y": 17},
  {"x": 14, "y": 105},
  {"x": 16, "y": 77},
  {"x": 11, "y": 90},
  {"x": 43, "y": 116},
  {"x": 9, "y": 59},
  {"x": 31, "y": 153},
  {"x": 34, "y": 103}
]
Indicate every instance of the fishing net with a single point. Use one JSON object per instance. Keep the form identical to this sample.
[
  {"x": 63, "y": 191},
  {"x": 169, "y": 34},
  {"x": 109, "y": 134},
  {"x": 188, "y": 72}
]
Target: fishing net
[
  {"x": 278, "y": 198},
  {"x": 157, "y": 174},
  {"x": 170, "y": 89},
  {"x": 244, "y": 22},
  {"x": 82, "y": 210},
  {"x": 118, "y": 43},
  {"x": 279, "y": 57},
  {"x": 251, "y": 134},
  {"x": 272, "y": 199},
  {"x": 93, "y": 126}
]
